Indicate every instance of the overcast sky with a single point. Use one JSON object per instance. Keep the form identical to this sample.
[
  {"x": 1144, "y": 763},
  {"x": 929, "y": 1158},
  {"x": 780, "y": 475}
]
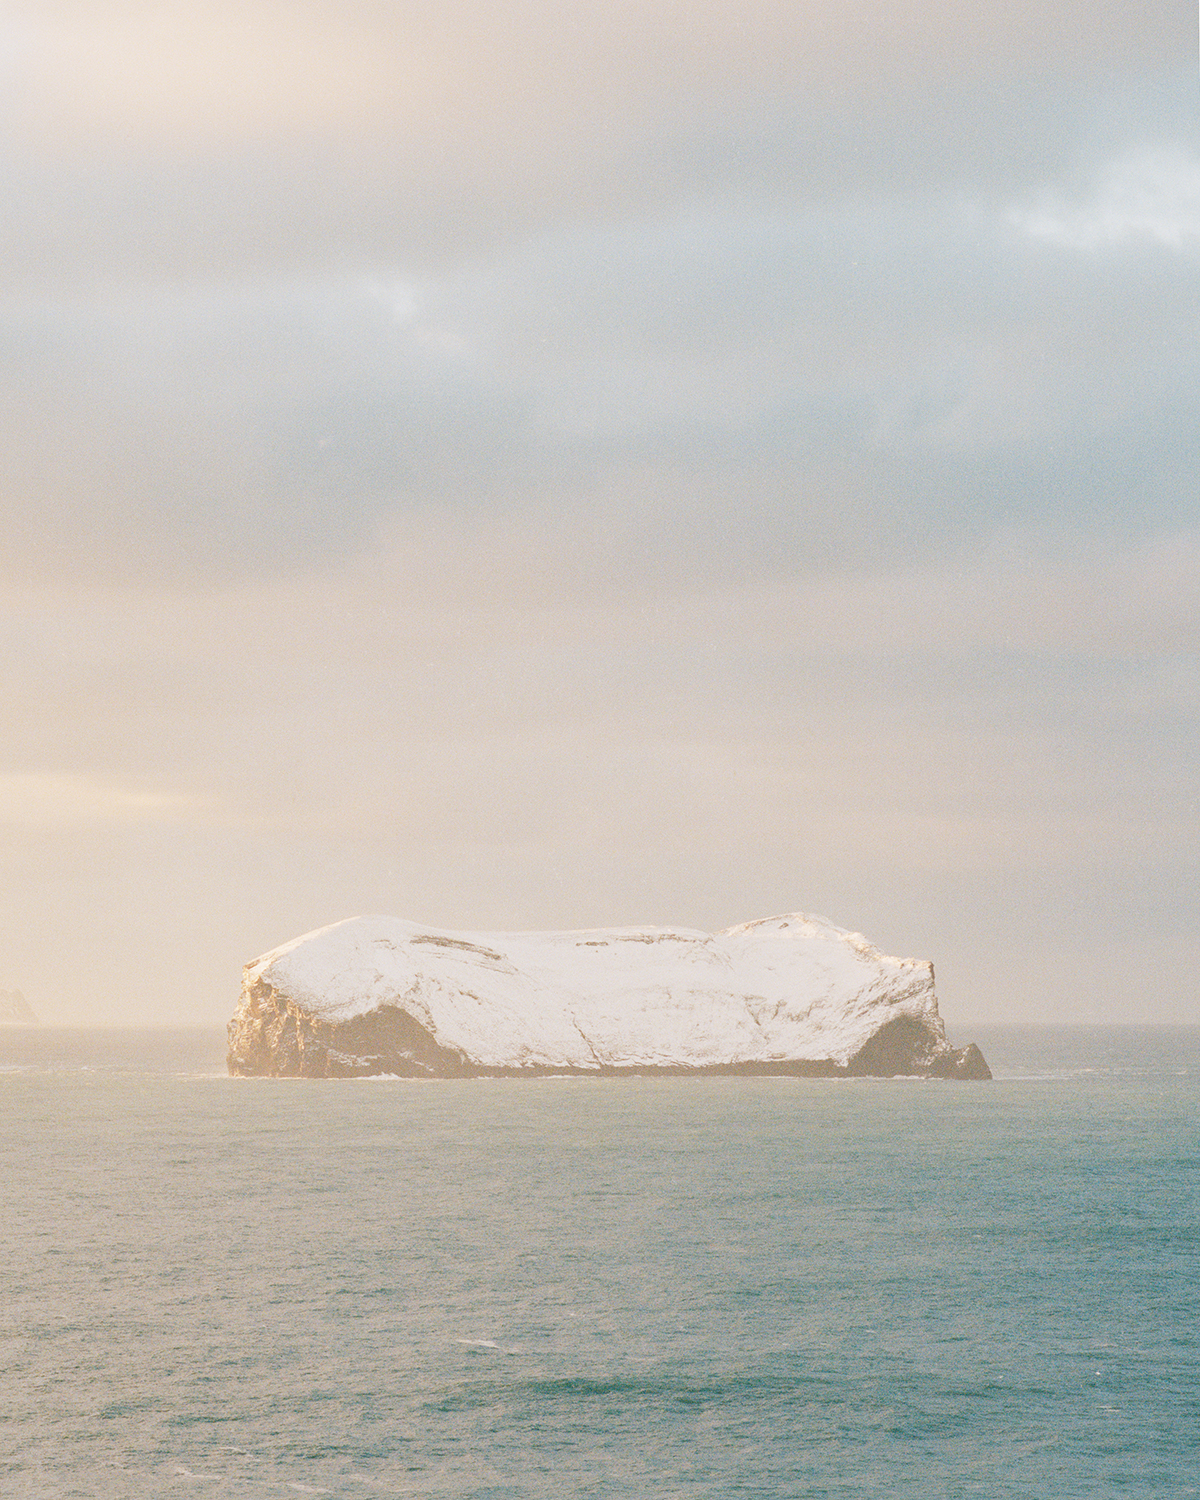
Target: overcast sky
[{"x": 578, "y": 462}]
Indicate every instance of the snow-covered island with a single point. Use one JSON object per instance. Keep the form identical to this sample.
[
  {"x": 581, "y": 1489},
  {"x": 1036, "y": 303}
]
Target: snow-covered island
[{"x": 789, "y": 994}]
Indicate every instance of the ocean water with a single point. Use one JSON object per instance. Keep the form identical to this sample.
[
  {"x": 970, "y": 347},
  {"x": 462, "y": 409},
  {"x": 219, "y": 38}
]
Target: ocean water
[{"x": 630, "y": 1287}]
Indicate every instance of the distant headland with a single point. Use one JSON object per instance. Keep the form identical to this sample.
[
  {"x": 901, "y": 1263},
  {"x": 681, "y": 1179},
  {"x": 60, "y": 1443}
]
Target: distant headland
[
  {"x": 15, "y": 1010},
  {"x": 785, "y": 995}
]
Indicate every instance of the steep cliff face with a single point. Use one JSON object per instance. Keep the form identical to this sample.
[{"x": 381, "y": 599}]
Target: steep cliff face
[
  {"x": 272, "y": 1036},
  {"x": 791, "y": 994}
]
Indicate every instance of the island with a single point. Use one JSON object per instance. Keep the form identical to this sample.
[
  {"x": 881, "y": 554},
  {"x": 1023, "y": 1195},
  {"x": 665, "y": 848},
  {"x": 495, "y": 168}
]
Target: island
[
  {"x": 15, "y": 1010},
  {"x": 791, "y": 994}
]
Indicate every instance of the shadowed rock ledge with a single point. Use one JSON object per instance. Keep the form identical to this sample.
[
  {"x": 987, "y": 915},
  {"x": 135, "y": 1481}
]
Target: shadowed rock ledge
[{"x": 788, "y": 995}]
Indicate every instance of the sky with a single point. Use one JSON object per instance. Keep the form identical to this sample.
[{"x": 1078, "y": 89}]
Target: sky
[{"x": 591, "y": 463}]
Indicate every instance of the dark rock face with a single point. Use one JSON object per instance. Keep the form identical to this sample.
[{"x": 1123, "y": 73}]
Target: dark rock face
[
  {"x": 271, "y": 1037},
  {"x": 905, "y": 1048},
  {"x": 966, "y": 1063}
]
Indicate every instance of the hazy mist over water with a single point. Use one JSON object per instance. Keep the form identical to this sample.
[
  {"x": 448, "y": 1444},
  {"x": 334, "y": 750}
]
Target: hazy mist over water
[{"x": 691, "y": 1287}]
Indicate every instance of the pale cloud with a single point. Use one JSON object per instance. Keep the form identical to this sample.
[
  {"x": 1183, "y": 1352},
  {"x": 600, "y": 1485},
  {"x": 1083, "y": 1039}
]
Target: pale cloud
[
  {"x": 107, "y": 76},
  {"x": 38, "y": 799},
  {"x": 400, "y": 298},
  {"x": 737, "y": 388},
  {"x": 554, "y": 465},
  {"x": 146, "y": 143},
  {"x": 1148, "y": 197},
  {"x": 110, "y": 72}
]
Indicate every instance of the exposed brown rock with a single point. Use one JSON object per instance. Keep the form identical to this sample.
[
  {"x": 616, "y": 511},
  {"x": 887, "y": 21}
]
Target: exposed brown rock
[{"x": 270, "y": 1037}]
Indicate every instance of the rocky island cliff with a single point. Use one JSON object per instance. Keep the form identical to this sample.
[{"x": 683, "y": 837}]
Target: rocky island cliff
[{"x": 785, "y": 995}]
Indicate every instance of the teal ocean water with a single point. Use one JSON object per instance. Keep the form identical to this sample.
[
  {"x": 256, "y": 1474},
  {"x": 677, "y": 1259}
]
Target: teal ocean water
[{"x": 713, "y": 1287}]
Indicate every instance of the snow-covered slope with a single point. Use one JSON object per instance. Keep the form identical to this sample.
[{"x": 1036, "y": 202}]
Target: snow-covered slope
[{"x": 786, "y": 994}]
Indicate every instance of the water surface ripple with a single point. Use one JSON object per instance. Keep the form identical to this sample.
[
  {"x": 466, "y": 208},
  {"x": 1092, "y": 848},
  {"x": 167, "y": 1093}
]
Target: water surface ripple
[{"x": 712, "y": 1287}]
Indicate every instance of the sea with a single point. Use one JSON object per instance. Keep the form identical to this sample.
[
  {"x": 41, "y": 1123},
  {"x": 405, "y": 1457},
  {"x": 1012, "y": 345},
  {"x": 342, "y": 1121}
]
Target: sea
[{"x": 628, "y": 1287}]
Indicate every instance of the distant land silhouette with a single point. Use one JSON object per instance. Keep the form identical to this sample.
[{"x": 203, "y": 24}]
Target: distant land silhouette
[{"x": 15, "y": 1010}]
